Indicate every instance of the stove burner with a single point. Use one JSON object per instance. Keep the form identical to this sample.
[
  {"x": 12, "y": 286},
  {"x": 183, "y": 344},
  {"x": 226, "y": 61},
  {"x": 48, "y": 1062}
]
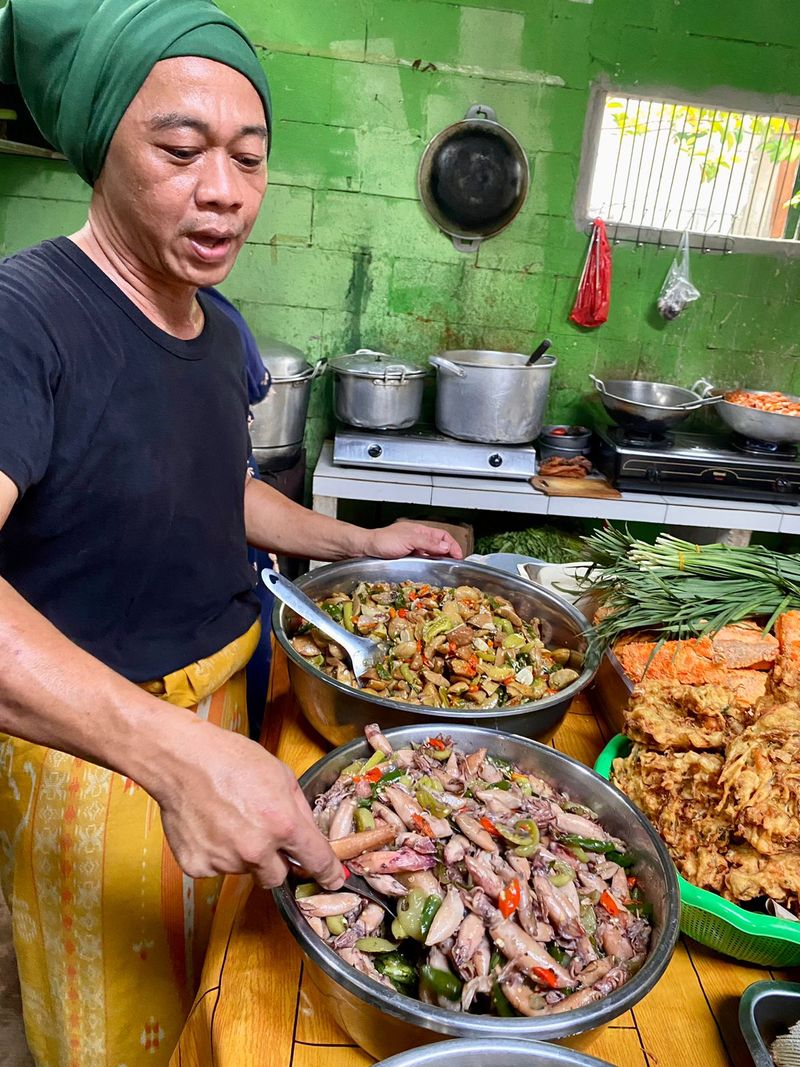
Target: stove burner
[
  {"x": 634, "y": 439},
  {"x": 754, "y": 447}
]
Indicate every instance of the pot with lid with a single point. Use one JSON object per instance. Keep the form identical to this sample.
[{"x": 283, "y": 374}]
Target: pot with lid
[
  {"x": 375, "y": 391},
  {"x": 278, "y": 421},
  {"x": 491, "y": 397}
]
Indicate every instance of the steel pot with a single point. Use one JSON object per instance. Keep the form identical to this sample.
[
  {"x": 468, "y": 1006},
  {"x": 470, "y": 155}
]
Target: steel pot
[
  {"x": 384, "y": 1021},
  {"x": 374, "y": 391},
  {"x": 488, "y": 1052},
  {"x": 493, "y": 397},
  {"x": 339, "y": 712},
  {"x": 278, "y": 423},
  {"x": 651, "y": 408},
  {"x": 473, "y": 178},
  {"x": 758, "y": 425}
]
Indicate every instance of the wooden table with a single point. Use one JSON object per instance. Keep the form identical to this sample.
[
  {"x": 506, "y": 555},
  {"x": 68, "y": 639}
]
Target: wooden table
[{"x": 256, "y": 1008}]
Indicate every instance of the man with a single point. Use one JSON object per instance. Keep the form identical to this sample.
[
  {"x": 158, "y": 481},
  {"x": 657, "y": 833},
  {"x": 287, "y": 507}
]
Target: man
[{"x": 126, "y": 604}]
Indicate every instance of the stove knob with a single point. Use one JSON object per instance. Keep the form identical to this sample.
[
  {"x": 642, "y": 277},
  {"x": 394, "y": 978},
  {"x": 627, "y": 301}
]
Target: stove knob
[
  {"x": 652, "y": 474},
  {"x": 783, "y": 486},
  {"x": 495, "y": 460},
  {"x": 375, "y": 451}
]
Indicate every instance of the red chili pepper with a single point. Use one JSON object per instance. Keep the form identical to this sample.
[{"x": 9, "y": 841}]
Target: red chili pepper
[
  {"x": 631, "y": 880},
  {"x": 546, "y": 976},
  {"x": 509, "y": 899},
  {"x": 489, "y": 826},
  {"x": 402, "y": 612},
  {"x": 374, "y": 775},
  {"x": 436, "y": 742},
  {"x": 422, "y": 825},
  {"x": 609, "y": 903}
]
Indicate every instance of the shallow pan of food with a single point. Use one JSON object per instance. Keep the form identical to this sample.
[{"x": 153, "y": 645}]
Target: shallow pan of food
[
  {"x": 546, "y": 848},
  {"x": 747, "y": 412},
  {"x": 490, "y": 1053},
  {"x": 768, "y": 1010},
  {"x": 339, "y": 710}
]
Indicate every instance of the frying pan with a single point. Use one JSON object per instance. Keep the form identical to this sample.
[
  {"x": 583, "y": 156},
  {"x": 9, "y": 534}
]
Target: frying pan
[
  {"x": 760, "y": 425},
  {"x": 473, "y": 178}
]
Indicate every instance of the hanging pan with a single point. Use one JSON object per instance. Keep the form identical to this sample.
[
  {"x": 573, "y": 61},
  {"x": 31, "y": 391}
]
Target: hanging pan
[{"x": 473, "y": 178}]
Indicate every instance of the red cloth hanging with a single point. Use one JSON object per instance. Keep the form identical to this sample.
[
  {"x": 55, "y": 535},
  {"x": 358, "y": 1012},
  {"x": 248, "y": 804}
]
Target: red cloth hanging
[{"x": 594, "y": 290}]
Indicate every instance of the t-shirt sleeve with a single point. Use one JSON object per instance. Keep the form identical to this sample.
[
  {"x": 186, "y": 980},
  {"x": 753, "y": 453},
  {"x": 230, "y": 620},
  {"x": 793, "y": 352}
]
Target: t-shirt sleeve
[{"x": 29, "y": 373}]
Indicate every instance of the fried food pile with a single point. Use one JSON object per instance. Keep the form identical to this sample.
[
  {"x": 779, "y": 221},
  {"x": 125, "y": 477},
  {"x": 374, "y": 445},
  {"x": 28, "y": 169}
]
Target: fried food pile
[{"x": 721, "y": 783}]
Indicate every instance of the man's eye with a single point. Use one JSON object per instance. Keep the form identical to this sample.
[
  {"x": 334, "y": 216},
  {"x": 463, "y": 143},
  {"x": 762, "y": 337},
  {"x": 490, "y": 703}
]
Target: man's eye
[
  {"x": 251, "y": 162},
  {"x": 181, "y": 153}
]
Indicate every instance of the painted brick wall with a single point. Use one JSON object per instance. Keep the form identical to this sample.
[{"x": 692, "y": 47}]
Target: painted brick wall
[{"x": 343, "y": 256}]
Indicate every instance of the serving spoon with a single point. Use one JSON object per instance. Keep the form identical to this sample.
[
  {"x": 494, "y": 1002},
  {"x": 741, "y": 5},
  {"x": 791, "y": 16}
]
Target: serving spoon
[
  {"x": 539, "y": 352},
  {"x": 362, "y": 651}
]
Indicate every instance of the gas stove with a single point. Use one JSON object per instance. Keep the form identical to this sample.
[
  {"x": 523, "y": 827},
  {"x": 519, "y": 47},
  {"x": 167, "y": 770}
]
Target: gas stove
[
  {"x": 720, "y": 466},
  {"x": 422, "y": 449}
]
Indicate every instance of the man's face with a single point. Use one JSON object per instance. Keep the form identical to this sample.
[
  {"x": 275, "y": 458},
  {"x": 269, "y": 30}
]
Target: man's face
[{"x": 186, "y": 171}]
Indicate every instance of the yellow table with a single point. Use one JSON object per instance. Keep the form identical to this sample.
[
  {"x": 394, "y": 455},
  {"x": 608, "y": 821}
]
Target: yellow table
[{"x": 256, "y": 1008}]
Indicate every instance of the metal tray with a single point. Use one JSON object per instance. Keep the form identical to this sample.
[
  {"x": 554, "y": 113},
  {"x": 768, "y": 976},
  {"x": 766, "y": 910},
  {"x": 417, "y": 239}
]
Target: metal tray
[{"x": 766, "y": 1010}]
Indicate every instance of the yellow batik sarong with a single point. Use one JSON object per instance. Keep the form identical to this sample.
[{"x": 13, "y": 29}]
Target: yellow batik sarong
[{"x": 109, "y": 933}]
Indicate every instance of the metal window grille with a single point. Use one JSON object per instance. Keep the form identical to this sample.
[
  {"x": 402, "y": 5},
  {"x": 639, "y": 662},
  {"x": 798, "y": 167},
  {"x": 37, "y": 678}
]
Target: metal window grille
[{"x": 729, "y": 177}]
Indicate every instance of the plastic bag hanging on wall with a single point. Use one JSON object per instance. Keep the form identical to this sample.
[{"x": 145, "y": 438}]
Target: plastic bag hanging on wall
[
  {"x": 594, "y": 290},
  {"x": 677, "y": 290}
]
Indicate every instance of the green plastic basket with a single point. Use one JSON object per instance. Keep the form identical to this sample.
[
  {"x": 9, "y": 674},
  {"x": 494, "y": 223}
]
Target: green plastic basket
[{"x": 716, "y": 922}]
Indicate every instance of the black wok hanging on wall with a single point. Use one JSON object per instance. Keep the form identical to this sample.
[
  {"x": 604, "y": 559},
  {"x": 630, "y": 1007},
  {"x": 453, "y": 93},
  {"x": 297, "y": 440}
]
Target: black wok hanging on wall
[{"x": 473, "y": 178}]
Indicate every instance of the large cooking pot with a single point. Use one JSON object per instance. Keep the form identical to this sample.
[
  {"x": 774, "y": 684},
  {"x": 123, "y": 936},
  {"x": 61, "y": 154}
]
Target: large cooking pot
[
  {"x": 339, "y": 712},
  {"x": 493, "y": 397},
  {"x": 276, "y": 430},
  {"x": 384, "y": 1021},
  {"x": 473, "y": 178},
  {"x": 760, "y": 425},
  {"x": 651, "y": 408},
  {"x": 374, "y": 391},
  {"x": 492, "y": 1052}
]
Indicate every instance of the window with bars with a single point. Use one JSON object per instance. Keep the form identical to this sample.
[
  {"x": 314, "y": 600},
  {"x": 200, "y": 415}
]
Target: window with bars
[{"x": 659, "y": 167}]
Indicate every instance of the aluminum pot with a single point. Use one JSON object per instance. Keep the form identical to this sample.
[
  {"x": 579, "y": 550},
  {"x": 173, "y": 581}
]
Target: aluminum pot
[
  {"x": 279, "y": 420},
  {"x": 651, "y": 407},
  {"x": 374, "y": 391},
  {"x": 340, "y": 712},
  {"x": 491, "y": 1053},
  {"x": 493, "y": 397},
  {"x": 385, "y": 1022},
  {"x": 760, "y": 425}
]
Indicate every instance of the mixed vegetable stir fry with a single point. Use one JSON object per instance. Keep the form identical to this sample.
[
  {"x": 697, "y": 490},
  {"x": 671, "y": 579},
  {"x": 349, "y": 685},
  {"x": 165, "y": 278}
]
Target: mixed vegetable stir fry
[
  {"x": 451, "y": 648},
  {"x": 511, "y": 899}
]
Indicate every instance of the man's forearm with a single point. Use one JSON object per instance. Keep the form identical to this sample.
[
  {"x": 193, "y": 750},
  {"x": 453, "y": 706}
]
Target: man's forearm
[
  {"x": 53, "y": 693},
  {"x": 274, "y": 522}
]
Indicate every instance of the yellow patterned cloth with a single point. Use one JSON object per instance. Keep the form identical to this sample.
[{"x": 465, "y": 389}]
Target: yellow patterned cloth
[{"x": 110, "y": 935}]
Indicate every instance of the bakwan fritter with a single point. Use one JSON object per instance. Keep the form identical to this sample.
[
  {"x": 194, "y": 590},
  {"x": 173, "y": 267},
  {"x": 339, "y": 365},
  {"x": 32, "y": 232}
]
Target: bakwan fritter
[{"x": 668, "y": 715}]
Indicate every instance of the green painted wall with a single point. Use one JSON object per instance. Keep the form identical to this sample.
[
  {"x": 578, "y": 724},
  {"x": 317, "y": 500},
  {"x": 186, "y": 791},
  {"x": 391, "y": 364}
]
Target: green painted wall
[{"x": 343, "y": 256}]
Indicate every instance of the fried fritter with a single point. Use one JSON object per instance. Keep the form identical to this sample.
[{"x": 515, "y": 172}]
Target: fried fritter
[
  {"x": 669, "y": 715},
  {"x": 752, "y": 875},
  {"x": 761, "y": 781},
  {"x": 786, "y": 673}
]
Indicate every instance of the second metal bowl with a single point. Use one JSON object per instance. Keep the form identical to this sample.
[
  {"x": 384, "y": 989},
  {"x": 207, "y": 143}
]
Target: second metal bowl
[
  {"x": 490, "y": 1053},
  {"x": 340, "y": 712}
]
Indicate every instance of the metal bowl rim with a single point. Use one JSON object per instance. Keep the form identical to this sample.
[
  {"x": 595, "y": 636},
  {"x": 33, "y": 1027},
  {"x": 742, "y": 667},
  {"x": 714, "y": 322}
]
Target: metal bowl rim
[
  {"x": 466, "y": 1046},
  {"x": 447, "y": 714},
  {"x": 561, "y": 1025},
  {"x": 666, "y": 408}
]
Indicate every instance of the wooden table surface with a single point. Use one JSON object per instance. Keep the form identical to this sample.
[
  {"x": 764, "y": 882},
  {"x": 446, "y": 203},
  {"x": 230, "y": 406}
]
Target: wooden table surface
[{"x": 256, "y": 1008}]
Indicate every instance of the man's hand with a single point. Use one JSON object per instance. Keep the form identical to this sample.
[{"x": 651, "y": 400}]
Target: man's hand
[
  {"x": 230, "y": 807},
  {"x": 410, "y": 539}
]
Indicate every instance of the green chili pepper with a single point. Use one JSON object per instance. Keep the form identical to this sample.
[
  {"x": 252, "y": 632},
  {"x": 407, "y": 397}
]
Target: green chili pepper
[
  {"x": 504, "y": 625},
  {"x": 504, "y": 785},
  {"x": 526, "y": 849},
  {"x": 561, "y": 874},
  {"x": 433, "y": 784},
  {"x": 431, "y": 906},
  {"x": 444, "y": 696},
  {"x": 396, "y": 969},
  {"x": 364, "y": 819},
  {"x": 383, "y": 672},
  {"x": 398, "y": 930},
  {"x": 623, "y": 859},
  {"x": 375, "y": 944},
  {"x": 352, "y": 769},
  {"x": 588, "y": 919},
  {"x": 513, "y": 641},
  {"x": 579, "y": 853},
  {"x": 440, "y": 625},
  {"x": 428, "y": 800},
  {"x": 409, "y": 914},
  {"x": 500, "y": 1002},
  {"x": 516, "y": 837},
  {"x": 440, "y": 754},
  {"x": 558, "y": 953},
  {"x": 388, "y": 778},
  {"x": 501, "y": 764},
  {"x": 336, "y": 924},
  {"x": 591, "y": 844},
  {"x": 496, "y": 960},
  {"x": 306, "y": 889},
  {"x": 408, "y": 674},
  {"x": 347, "y": 617},
  {"x": 317, "y": 661},
  {"x": 375, "y": 759},
  {"x": 443, "y": 983},
  {"x": 487, "y": 656},
  {"x": 336, "y": 611}
]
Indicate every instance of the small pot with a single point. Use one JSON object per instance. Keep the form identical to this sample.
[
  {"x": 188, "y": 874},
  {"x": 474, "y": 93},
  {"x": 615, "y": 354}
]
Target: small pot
[
  {"x": 566, "y": 438},
  {"x": 374, "y": 391},
  {"x": 278, "y": 423},
  {"x": 491, "y": 397}
]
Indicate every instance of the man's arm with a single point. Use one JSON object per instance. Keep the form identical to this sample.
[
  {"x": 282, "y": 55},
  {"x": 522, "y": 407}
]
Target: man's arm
[
  {"x": 276, "y": 523},
  {"x": 226, "y": 804}
]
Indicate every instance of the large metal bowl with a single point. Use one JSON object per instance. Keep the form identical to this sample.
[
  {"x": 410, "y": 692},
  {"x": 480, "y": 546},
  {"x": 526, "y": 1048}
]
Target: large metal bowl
[
  {"x": 340, "y": 712},
  {"x": 383, "y": 1021},
  {"x": 491, "y": 1053},
  {"x": 761, "y": 425}
]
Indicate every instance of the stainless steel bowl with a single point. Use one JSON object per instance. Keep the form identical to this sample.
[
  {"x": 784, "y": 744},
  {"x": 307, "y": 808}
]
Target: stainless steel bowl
[
  {"x": 340, "y": 712},
  {"x": 767, "y": 1010},
  {"x": 761, "y": 425},
  {"x": 383, "y": 1021},
  {"x": 488, "y": 1053}
]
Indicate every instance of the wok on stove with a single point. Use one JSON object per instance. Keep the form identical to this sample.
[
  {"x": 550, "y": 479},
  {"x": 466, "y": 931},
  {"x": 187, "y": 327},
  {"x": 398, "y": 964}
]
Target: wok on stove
[{"x": 651, "y": 408}]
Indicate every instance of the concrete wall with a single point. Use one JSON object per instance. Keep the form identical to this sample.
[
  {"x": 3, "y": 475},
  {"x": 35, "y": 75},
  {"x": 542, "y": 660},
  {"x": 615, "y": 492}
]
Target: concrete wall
[{"x": 342, "y": 254}]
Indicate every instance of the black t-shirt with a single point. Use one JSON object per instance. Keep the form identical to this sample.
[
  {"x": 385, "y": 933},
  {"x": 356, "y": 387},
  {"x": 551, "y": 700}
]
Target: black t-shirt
[{"x": 129, "y": 449}]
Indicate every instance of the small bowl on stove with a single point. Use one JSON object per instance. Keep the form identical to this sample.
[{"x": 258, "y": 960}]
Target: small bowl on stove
[{"x": 568, "y": 438}]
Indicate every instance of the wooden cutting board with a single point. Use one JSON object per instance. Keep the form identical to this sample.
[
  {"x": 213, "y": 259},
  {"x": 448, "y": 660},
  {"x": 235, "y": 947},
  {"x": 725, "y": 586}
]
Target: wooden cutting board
[{"x": 597, "y": 488}]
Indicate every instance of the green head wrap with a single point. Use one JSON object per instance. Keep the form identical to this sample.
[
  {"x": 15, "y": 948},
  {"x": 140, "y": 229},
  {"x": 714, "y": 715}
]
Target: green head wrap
[{"x": 79, "y": 63}]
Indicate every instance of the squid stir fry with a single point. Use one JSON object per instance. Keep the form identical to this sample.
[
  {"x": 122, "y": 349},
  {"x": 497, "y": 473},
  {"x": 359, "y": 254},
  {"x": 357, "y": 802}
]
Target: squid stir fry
[
  {"x": 451, "y": 648},
  {"x": 510, "y": 899}
]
